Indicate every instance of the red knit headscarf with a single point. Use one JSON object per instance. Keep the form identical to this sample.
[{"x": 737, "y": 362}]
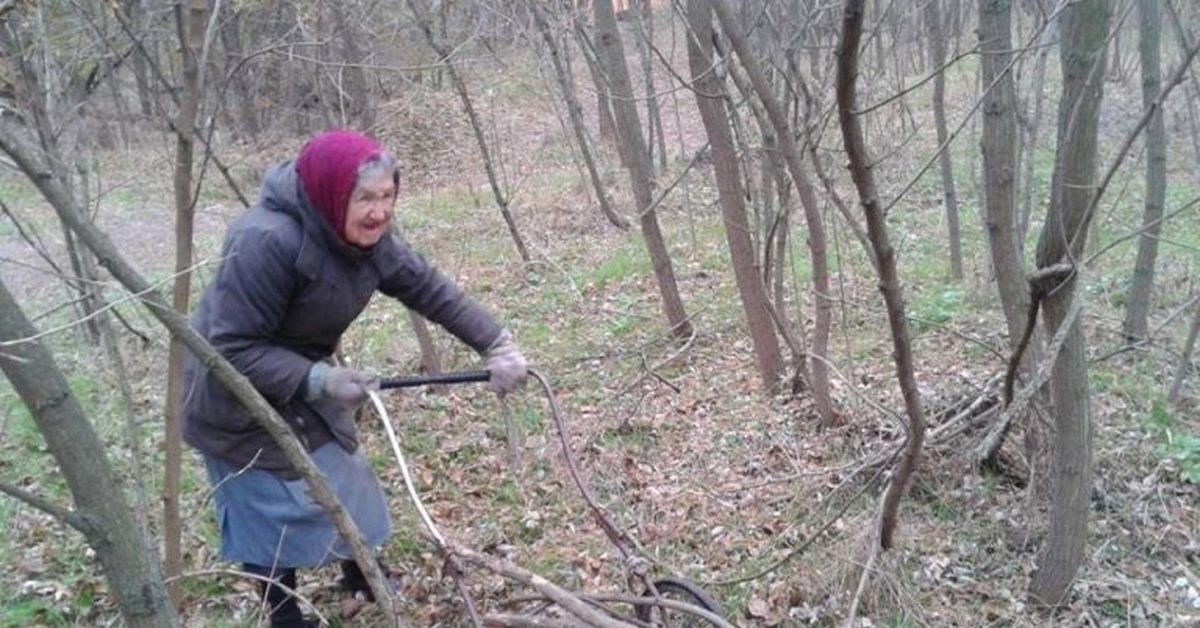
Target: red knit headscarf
[{"x": 328, "y": 167}]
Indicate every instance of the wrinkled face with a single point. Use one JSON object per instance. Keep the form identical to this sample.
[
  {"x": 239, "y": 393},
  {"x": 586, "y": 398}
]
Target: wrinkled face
[{"x": 370, "y": 210}]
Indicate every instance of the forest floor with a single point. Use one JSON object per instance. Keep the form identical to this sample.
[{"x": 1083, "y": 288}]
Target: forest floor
[{"x": 717, "y": 482}]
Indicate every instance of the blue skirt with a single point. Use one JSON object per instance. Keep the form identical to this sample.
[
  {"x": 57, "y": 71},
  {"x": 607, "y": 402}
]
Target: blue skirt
[{"x": 266, "y": 520}]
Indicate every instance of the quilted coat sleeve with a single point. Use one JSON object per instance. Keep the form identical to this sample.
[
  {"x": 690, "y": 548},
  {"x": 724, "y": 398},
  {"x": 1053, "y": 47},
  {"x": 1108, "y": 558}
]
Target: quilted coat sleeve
[
  {"x": 426, "y": 291},
  {"x": 251, "y": 295}
]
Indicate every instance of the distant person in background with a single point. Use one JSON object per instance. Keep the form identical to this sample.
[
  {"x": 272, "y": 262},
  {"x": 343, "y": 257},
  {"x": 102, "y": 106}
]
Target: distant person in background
[{"x": 297, "y": 269}]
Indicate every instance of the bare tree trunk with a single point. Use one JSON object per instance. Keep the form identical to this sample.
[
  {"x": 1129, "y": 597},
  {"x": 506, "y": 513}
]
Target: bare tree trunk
[
  {"x": 86, "y": 305},
  {"x": 933, "y": 21},
  {"x": 1032, "y": 127},
  {"x": 878, "y": 7},
  {"x": 643, "y": 23},
  {"x": 648, "y": 20},
  {"x": 889, "y": 281},
  {"x": 633, "y": 151},
  {"x": 317, "y": 100},
  {"x": 1084, "y": 27},
  {"x": 34, "y": 168},
  {"x": 819, "y": 356},
  {"x": 34, "y": 78},
  {"x": 190, "y": 23},
  {"x": 604, "y": 109},
  {"x": 856, "y": 228},
  {"x": 1116, "y": 72},
  {"x": 776, "y": 232},
  {"x": 357, "y": 90},
  {"x": 430, "y": 362},
  {"x": 710, "y": 98},
  {"x": 197, "y": 134},
  {"x": 133, "y": 11},
  {"x": 1000, "y": 150},
  {"x": 1185, "y": 359},
  {"x": 101, "y": 512},
  {"x": 112, "y": 349},
  {"x": 1137, "y": 305},
  {"x": 575, "y": 113},
  {"x": 421, "y": 14},
  {"x": 231, "y": 40}
]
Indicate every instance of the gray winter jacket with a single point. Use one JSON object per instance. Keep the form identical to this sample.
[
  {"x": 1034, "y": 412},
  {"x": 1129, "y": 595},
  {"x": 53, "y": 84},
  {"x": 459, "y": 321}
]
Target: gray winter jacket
[{"x": 286, "y": 290}]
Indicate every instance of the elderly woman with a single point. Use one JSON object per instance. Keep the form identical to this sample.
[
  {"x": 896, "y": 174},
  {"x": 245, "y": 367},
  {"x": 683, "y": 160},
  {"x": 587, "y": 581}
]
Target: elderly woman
[{"x": 297, "y": 269}]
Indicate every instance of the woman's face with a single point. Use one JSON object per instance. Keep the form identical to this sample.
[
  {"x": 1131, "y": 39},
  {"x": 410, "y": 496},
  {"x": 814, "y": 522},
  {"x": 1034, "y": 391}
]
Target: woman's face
[{"x": 370, "y": 210}]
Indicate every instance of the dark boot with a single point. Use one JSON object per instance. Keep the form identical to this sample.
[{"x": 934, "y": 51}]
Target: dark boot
[
  {"x": 282, "y": 606},
  {"x": 355, "y": 581}
]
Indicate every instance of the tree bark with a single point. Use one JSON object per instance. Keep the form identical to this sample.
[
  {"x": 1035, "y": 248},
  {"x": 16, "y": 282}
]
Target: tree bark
[
  {"x": 642, "y": 19},
  {"x": 51, "y": 187},
  {"x": 861, "y": 171},
  {"x": 604, "y": 109},
  {"x": 231, "y": 41},
  {"x": 196, "y": 133},
  {"x": 1137, "y": 305},
  {"x": 1185, "y": 359},
  {"x": 710, "y": 99},
  {"x": 190, "y": 23},
  {"x": 1000, "y": 150},
  {"x": 1084, "y": 27},
  {"x": 775, "y": 181},
  {"x": 819, "y": 366},
  {"x": 101, "y": 514},
  {"x": 933, "y": 21},
  {"x": 86, "y": 305},
  {"x": 421, "y": 14},
  {"x": 133, "y": 12},
  {"x": 575, "y": 114},
  {"x": 356, "y": 88},
  {"x": 40, "y": 103},
  {"x": 1032, "y": 128},
  {"x": 430, "y": 362},
  {"x": 637, "y": 162}
]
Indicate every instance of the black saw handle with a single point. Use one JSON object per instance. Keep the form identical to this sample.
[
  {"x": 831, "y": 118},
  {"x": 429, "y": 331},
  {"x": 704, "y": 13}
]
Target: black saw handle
[{"x": 460, "y": 377}]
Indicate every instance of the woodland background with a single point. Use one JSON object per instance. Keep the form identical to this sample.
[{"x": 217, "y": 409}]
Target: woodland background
[{"x": 776, "y": 279}]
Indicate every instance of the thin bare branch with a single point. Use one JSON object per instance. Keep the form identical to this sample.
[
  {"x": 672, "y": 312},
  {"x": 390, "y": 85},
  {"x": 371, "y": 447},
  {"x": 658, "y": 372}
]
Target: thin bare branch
[{"x": 65, "y": 515}]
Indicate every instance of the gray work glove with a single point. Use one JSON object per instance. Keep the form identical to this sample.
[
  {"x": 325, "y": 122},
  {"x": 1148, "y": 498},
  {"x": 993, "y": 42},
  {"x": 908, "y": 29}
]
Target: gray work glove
[
  {"x": 346, "y": 387},
  {"x": 507, "y": 365}
]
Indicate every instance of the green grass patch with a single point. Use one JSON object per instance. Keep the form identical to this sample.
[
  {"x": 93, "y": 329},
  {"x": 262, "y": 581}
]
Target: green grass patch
[
  {"x": 936, "y": 308},
  {"x": 405, "y": 546},
  {"x": 1113, "y": 609},
  {"x": 450, "y": 206},
  {"x": 26, "y": 611},
  {"x": 628, "y": 438},
  {"x": 1180, "y": 449},
  {"x": 625, "y": 263}
]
